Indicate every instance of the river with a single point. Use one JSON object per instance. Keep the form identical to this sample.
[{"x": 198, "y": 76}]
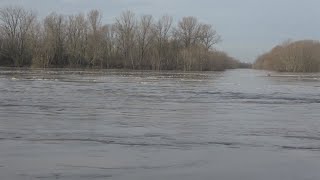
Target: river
[{"x": 129, "y": 125}]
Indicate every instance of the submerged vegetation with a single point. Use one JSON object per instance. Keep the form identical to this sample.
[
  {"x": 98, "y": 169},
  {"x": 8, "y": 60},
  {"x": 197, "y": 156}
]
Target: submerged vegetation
[
  {"x": 130, "y": 42},
  {"x": 299, "y": 56}
]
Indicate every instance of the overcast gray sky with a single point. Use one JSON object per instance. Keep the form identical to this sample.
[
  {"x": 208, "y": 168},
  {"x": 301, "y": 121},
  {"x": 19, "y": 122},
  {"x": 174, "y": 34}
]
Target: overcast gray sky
[{"x": 248, "y": 27}]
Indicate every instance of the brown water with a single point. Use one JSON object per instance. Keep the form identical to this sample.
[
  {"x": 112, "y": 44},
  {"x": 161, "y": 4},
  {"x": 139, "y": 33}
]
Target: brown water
[{"x": 238, "y": 124}]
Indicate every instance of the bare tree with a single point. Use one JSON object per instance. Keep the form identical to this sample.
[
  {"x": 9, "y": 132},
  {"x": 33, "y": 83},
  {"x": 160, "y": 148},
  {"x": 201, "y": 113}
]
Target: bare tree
[
  {"x": 188, "y": 31},
  {"x": 145, "y": 37},
  {"x": 126, "y": 31},
  {"x": 55, "y": 36},
  {"x": 162, "y": 32},
  {"x": 208, "y": 36},
  {"x": 15, "y": 25},
  {"x": 77, "y": 32},
  {"x": 299, "y": 56},
  {"x": 94, "y": 38},
  {"x": 37, "y": 42},
  {"x": 145, "y": 43}
]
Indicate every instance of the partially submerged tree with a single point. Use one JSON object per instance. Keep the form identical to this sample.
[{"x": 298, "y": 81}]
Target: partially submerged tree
[
  {"x": 162, "y": 33},
  {"x": 15, "y": 24},
  {"x": 126, "y": 31},
  {"x": 145, "y": 36},
  {"x": 76, "y": 42},
  {"x": 299, "y": 56},
  {"x": 95, "y": 50},
  {"x": 131, "y": 42}
]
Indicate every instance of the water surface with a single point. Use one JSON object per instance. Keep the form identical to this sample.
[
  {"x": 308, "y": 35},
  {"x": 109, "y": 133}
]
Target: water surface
[{"x": 237, "y": 124}]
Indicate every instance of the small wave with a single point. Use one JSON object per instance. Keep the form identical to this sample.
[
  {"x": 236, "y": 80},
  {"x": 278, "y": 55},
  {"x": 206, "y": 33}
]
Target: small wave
[
  {"x": 66, "y": 176},
  {"x": 169, "y": 143},
  {"x": 189, "y": 164},
  {"x": 304, "y": 137},
  {"x": 282, "y": 102},
  {"x": 310, "y": 148},
  {"x": 268, "y": 99},
  {"x": 163, "y": 141}
]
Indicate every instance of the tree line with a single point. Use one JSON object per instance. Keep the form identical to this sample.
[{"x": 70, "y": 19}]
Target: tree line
[
  {"x": 131, "y": 42},
  {"x": 298, "y": 56}
]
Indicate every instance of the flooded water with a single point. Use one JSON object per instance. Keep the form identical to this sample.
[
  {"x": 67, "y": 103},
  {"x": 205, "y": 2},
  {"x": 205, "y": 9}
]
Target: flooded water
[{"x": 238, "y": 124}]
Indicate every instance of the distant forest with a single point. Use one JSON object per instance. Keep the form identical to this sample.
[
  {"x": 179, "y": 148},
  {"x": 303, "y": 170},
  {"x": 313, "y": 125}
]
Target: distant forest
[
  {"x": 131, "y": 42},
  {"x": 298, "y": 56}
]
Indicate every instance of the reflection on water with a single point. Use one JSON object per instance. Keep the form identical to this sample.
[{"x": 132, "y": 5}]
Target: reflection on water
[{"x": 239, "y": 124}]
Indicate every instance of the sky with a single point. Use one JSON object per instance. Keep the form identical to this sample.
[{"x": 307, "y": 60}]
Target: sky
[{"x": 248, "y": 27}]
